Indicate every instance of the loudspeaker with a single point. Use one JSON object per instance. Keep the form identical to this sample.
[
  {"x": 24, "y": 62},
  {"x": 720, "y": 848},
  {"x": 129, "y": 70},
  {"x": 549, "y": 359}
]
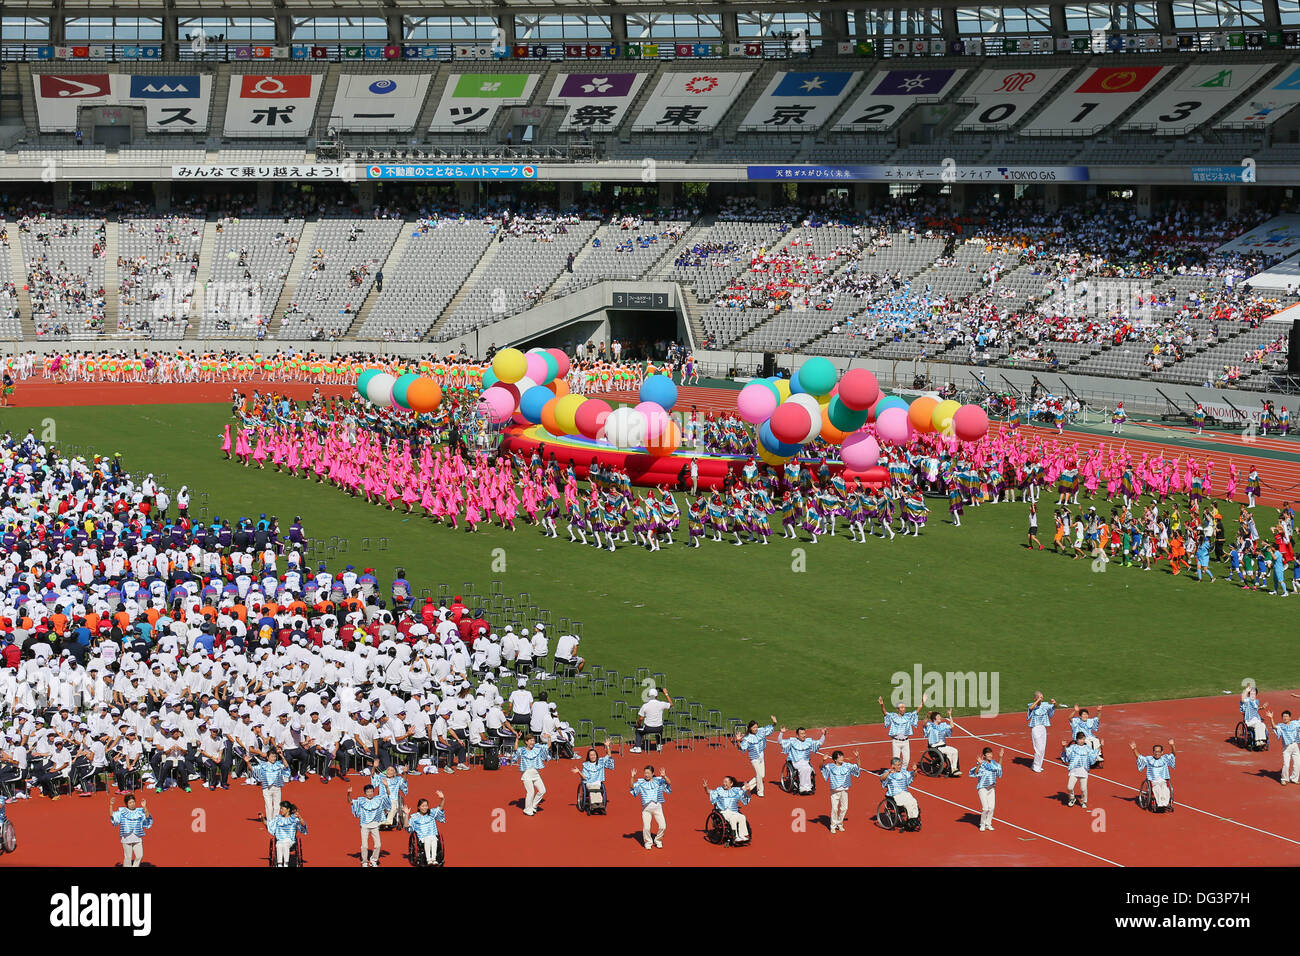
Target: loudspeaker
[
  {"x": 1293, "y": 350},
  {"x": 491, "y": 759},
  {"x": 769, "y": 363}
]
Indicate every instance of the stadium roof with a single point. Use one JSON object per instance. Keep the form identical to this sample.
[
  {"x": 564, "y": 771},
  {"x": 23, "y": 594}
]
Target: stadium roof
[{"x": 484, "y": 8}]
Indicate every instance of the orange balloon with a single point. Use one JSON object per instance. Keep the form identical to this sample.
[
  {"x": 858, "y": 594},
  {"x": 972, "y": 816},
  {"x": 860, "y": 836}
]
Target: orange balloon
[
  {"x": 560, "y": 387},
  {"x": 829, "y": 432},
  {"x": 548, "y": 417},
  {"x": 424, "y": 395},
  {"x": 921, "y": 414},
  {"x": 667, "y": 441}
]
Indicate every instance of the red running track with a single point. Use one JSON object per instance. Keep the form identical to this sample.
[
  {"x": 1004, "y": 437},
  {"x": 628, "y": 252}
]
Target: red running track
[
  {"x": 38, "y": 393},
  {"x": 1231, "y": 810}
]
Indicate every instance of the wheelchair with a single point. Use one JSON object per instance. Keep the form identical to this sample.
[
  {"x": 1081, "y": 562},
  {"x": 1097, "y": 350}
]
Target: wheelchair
[
  {"x": 1146, "y": 802},
  {"x": 1244, "y": 738},
  {"x": 415, "y": 851},
  {"x": 8, "y": 837},
  {"x": 295, "y": 854},
  {"x": 721, "y": 833},
  {"x": 399, "y": 820},
  {"x": 934, "y": 764},
  {"x": 889, "y": 816},
  {"x": 584, "y": 800},
  {"x": 790, "y": 780}
]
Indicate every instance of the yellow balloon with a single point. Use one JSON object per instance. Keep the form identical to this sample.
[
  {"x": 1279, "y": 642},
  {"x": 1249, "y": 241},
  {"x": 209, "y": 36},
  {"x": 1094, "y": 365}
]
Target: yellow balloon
[
  {"x": 566, "y": 407},
  {"x": 941, "y": 417},
  {"x": 824, "y": 400},
  {"x": 783, "y": 388},
  {"x": 510, "y": 365},
  {"x": 770, "y": 458}
]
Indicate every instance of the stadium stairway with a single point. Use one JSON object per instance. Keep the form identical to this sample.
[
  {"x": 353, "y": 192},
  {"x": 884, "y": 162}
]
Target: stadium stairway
[
  {"x": 112, "y": 293},
  {"x": 471, "y": 281},
  {"x": 389, "y": 268},
  {"x": 18, "y": 269},
  {"x": 301, "y": 260},
  {"x": 664, "y": 264},
  {"x": 207, "y": 249}
]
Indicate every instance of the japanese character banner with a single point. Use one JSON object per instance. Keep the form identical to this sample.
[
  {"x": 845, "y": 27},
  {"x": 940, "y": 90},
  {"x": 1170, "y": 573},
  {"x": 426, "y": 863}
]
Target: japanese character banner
[
  {"x": 799, "y": 101},
  {"x": 470, "y": 100},
  {"x": 595, "y": 101},
  {"x": 172, "y": 104},
  {"x": 691, "y": 101},
  {"x": 277, "y": 105}
]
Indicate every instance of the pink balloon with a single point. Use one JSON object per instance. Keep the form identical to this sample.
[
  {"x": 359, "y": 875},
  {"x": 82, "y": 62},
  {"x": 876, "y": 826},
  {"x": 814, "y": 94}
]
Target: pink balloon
[
  {"x": 970, "y": 423},
  {"x": 858, "y": 389},
  {"x": 497, "y": 404},
  {"x": 892, "y": 425},
  {"x": 561, "y": 360},
  {"x": 860, "y": 451},
  {"x": 538, "y": 370},
  {"x": 656, "y": 419},
  {"x": 756, "y": 403}
]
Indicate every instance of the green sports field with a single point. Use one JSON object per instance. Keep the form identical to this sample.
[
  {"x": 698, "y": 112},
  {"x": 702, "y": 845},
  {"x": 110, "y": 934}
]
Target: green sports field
[{"x": 812, "y": 635}]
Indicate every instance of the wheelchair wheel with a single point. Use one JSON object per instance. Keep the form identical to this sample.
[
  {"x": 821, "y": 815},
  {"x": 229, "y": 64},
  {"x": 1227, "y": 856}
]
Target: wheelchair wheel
[
  {"x": 1144, "y": 795},
  {"x": 415, "y": 851},
  {"x": 716, "y": 830},
  {"x": 933, "y": 763},
  {"x": 887, "y": 815},
  {"x": 295, "y": 855},
  {"x": 270, "y": 853},
  {"x": 788, "y": 783},
  {"x": 442, "y": 851},
  {"x": 8, "y": 837},
  {"x": 584, "y": 805}
]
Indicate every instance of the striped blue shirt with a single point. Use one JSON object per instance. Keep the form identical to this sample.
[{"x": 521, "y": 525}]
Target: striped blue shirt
[
  {"x": 1157, "y": 768},
  {"x": 533, "y": 758},
  {"x": 371, "y": 810},
  {"x": 754, "y": 744},
  {"x": 2, "y": 808},
  {"x": 651, "y": 791},
  {"x": 1040, "y": 714},
  {"x": 1287, "y": 733},
  {"x": 1250, "y": 709},
  {"x": 132, "y": 823},
  {"x": 1087, "y": 725},
  {"x": 900, "y": 726},
  {"x": 897, "y": 782},
  {"x": 840, "y": 775},
  {"x": 394, "y": 786},
  {"x": 1078, "y": 756},
  {"x": 272, "y": 774},
  {"x": 425, "y": 825},
  {"x": 285, "y": 829},
  {"x": 987, "y": 774},
  {"x": 728, "y": 798},
  {"x": 937, "y": 732},
  {"x": 595, "y": 772},
  {"x": 798, "y": 751}
]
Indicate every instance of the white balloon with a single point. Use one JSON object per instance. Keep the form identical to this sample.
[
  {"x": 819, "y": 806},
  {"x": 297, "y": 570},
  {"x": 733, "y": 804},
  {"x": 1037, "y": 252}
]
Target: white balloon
[
  {"x": 814, "y": 410},
  {"x": 380, "y": 389},
  {"x": 625, "y": 428},
  {"x": 524, "y": 384}
]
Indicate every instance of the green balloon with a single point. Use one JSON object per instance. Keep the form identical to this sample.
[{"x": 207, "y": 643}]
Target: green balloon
[
  {"x": 817, "y": 376},
  {"x": 843, "y": 417}
]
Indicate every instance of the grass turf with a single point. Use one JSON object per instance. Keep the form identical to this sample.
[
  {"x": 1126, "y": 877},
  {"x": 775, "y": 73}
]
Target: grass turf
[{"x": 758, "y": 630}]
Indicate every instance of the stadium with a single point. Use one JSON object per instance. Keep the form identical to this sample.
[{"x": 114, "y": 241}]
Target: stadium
[{"x": 457, "y": 407}]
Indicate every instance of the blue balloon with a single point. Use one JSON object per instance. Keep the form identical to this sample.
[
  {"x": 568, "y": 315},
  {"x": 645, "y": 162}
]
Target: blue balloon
[
  {"x": 795, "y": 387},
  {"x": 890, "y": 401},
  {"x": 489, "y": 379},
  {"x": 364, "y": 379},
  {"x": 773, "y": 444},
  {"x": 660, "y": 390},
  {"x": 533, "y": 401},
  {"x": 400, "y": 386}
]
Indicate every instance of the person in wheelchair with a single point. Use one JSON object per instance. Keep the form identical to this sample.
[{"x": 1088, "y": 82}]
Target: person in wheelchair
[
  {"x": 1081, "y": 721},
  {"x": 284, "y": 830},
  {"x": 1159, "y": 770},
  {"x": 895, "y": 782},
  {"x": 798, "y": 749},
  {"x": 727, "y": 800},
  {"x": 392, "y": 787},
  {"x": 592, "y": 795},
  {"x": 1250, "y": 706},
  {"x": 937, "y": 730},
  {"x": 423, "y": 824}
]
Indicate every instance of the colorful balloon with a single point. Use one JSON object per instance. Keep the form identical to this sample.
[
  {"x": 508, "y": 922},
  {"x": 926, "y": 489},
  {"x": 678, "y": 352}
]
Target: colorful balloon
[
  {"x": 558, "y": 387},
  {"x": 774, "y": 460},
  {"x": 590, "y": 417},
  {"x": 892, "y": 425},
  {"x": 859, "y": 389},
  {"x": 425, "y": 395},
  {"x": 625, "y": 428},
  {"x": 941, "y": 417},
  {"x": 860, "y": 451},
  {"x": 380, "y": 389},
  {"x": 363, "y": 381},
  {"x": 845, "y": 419},
  {"x": 782, "y": 387},
  {"x": 809, "y": 404},
  {"x": 970, "y": 423},
  {"x": 829, "y": 433},
  {"x": 510, "y": 365},
  {"x": 400, "y": 386},
  {"x": 769, "y": 442},
  {"x": 561, "y": 361},
  {"x": 490, "y": 378},
  {"x": 655, "y": 417},
  {"x": 756, "y": 402},
  {"x": 817, "y": 376},
  {"x": 496, "y": 404},
  {"x": 566, "y": 411},
  {"x": 796, "y": 386},
  {"x": 920, "y": 413},
  {"x": 533, "y": 401},
  {"x": 548, "y": 417},
  {"x": 667, "y": 441},
  {"x": 660, "y": 390},
  {"x": 791, "y": 422}
]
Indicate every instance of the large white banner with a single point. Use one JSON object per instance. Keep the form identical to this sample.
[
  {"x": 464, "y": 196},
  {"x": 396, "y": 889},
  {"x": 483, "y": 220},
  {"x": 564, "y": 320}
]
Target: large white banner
[
  {"x": 1280, "y": 236},
  {"x": 596, "y": 101},
  {"x": 172, "y": 104},
  {"x": 1268, "y": 105},
  {"x": 1095, "y": 100},
  {"x": 891, "y": 93},
  {"x": 281, "y": 105},
  {"x": 371, "y": 101},
  {"x": 799, "y": 101},
  {"x": 1002, "y": 97},
  {"x": 470, "y": 100},
  {"x": 1194, "y": 96},
  {"x": 689, "y": 101}
]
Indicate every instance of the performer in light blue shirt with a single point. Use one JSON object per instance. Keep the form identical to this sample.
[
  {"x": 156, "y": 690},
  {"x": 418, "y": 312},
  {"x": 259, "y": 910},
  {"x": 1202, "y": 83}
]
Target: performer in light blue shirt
[
  {"x": 424, "y": 824},
  {"x": 839, "y": 773},
  {"x": 1078, "y": 758},
  {"x": 937, "y": 730},
  {"x": 1251, "y": 705},
  {"x": 272, "y": 773},
  {"x": 1158, "y": 768},
  {"x": 592, "y": 770},
  {"x": 895, "y": 781},
  {"x": 797, "y": 750},
  {"x": 727, "y": 800},
  {"x": 285, "y": 829},
  {"x": 652, "y": 789},
  {"x": 392, "y": 785},
  {"x": 900, "y": 726},
  {"x": 754, "y": 743},
  {"x": 1082, "y": 721},
  {"x": 532, "y": 758},
  {"x": 987, "y": 772},
  {"x": 371, "y": 810},
  {"x": 131, "y": 822},
  {"x": 1288, "y": 732},
  {"x": 1040, "y": 718}
]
